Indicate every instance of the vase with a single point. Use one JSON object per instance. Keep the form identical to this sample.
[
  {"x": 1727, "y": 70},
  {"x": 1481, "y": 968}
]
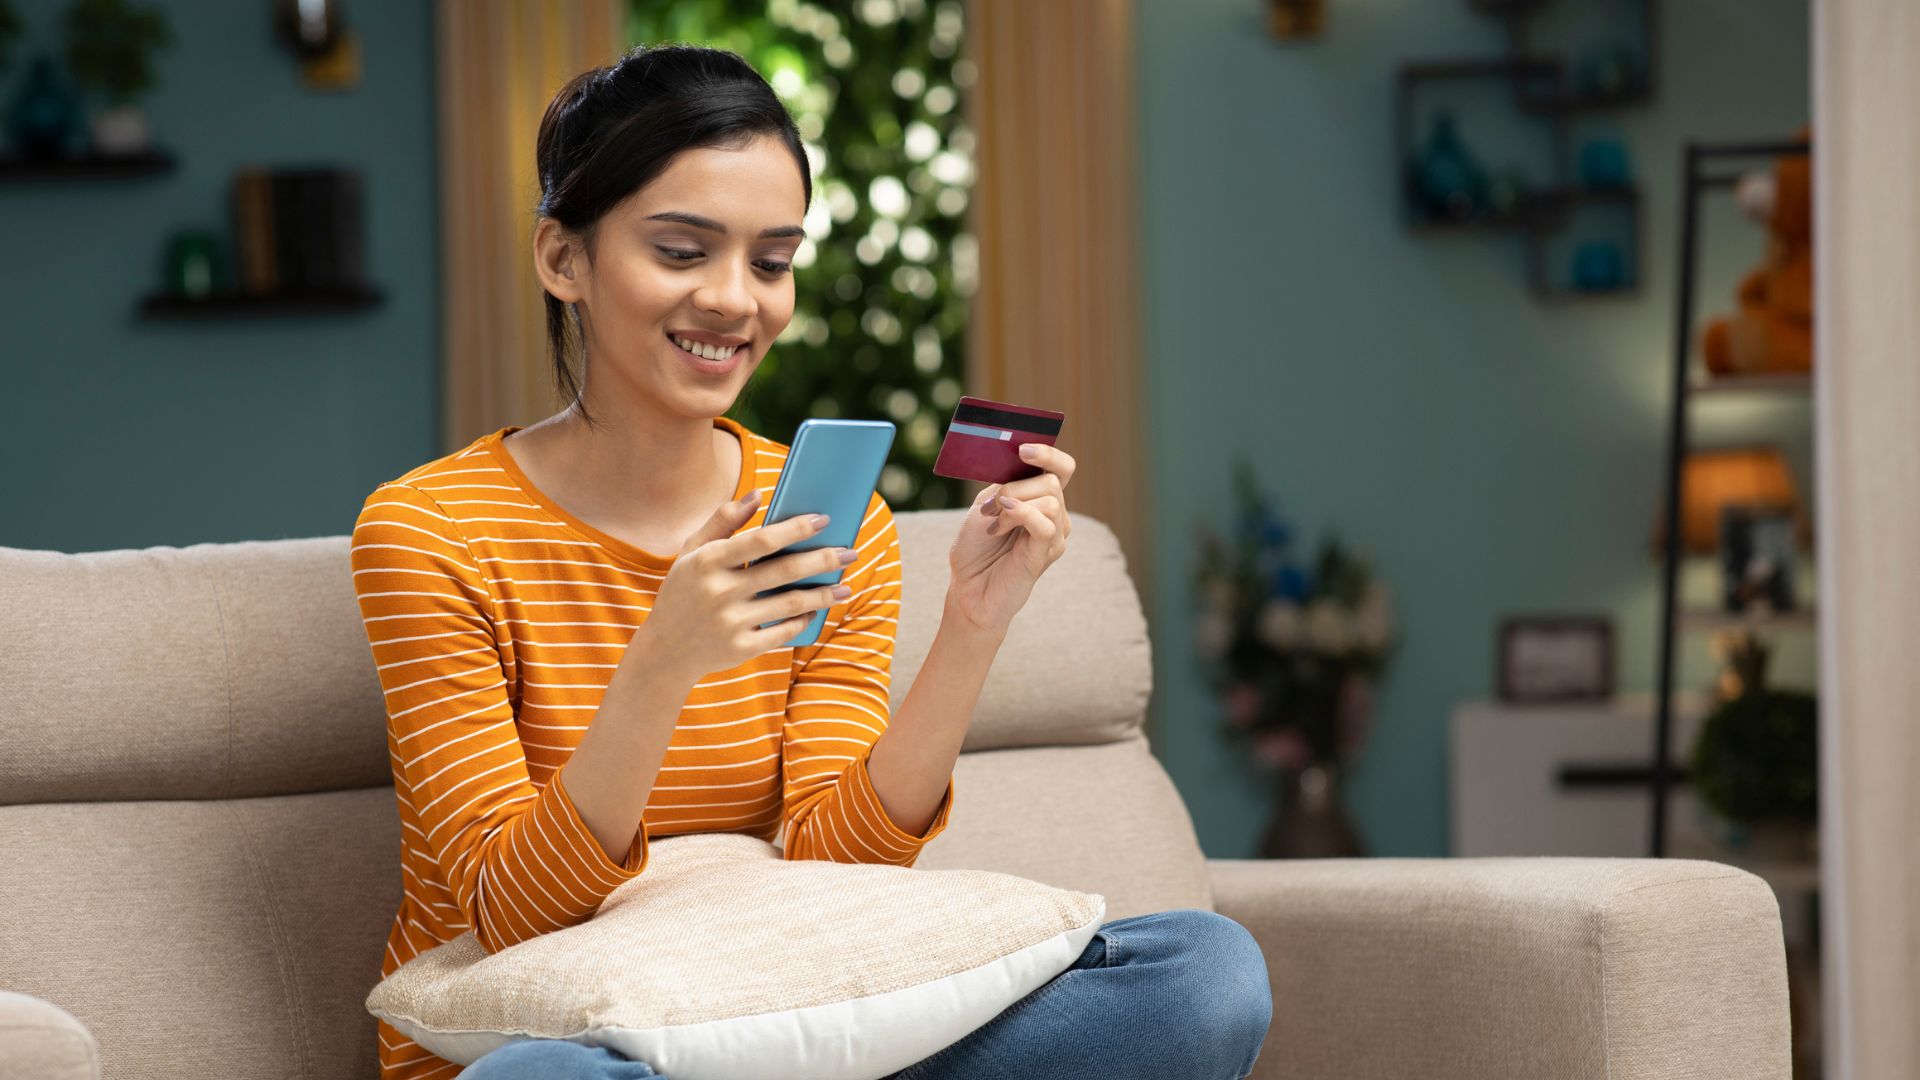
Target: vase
[
  {"x": 45, "y": 114},
  {"x": 1598, "y": 266},
  {"x": 1310, "y": 820},
  {"x": 1451, "y": 184},
  {"x": 121, "y": 131}
]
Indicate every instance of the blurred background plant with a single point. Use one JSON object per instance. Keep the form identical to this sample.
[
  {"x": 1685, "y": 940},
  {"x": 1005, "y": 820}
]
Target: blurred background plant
[
  {"x": 111, "y": 45},
  {"x": 1756, "y": 762},
  {"x": 1292, "y": 652},
  {"x": 10, "y": 30},
  {"x": 882, "y": 281}
]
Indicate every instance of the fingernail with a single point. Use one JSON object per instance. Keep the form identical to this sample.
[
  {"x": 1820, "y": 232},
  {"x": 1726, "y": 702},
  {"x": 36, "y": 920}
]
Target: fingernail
[
  {"x": 1004, "y": 501},
  {"x": 841, "y": 592},
  {"x": 750, "y": 497},
  {"x": 1027, "y": 450},
  {"x": 847, "y": 555},
  {"x": 818, "y": 521}
]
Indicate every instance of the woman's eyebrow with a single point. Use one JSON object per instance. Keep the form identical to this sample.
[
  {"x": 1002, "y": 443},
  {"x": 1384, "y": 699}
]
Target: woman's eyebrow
[{"x": 711, "y": 225}]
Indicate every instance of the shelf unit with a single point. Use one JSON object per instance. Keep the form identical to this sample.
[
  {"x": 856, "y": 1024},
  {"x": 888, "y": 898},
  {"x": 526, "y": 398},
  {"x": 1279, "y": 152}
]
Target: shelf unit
[
  {"x": 1701, "y": 172},
  {"x": 228, "y": 303},
  {"x": 1567, "y": 98},
  {"x": 1750, "y": 384},
  {"x": 1711, "y": 619},
  {"x": 1541, "y": 85},
  {"x": 15, "y": 168}
]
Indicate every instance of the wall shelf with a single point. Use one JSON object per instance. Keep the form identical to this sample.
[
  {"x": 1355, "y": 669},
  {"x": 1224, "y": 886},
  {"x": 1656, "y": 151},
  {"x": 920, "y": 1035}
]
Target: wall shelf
[
  {"x": 1540, "y": 85},
  {"x": 233, "y": 304},
  {"x": 1750, "y": 384},
  {"x": 14, "y": 168},
  {"x": 1715, "y": 619}
]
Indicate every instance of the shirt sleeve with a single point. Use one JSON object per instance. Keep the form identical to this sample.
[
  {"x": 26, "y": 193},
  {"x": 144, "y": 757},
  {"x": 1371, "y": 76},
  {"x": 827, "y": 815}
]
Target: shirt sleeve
[
  {"x": 837, "y": 707},
  {"x": 518, "y": 859}
]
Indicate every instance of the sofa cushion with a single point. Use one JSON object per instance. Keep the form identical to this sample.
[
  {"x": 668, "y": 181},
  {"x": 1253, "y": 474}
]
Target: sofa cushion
[
  {"x": 200, "y": 939},
  {"x": 241, "y": 669},
  {"x": 1103, "y": 819},
  {"x": 42, "y": 1041},
  {"x": 1075, "y": 667},
  {"x": 209, "y": 671},
  {"x": 723, "y": 957},
  {"x": 145, "y": 919}
]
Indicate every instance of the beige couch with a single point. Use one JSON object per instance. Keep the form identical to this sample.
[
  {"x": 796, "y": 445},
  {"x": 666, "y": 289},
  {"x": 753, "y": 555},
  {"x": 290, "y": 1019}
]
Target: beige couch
[{"x": 199, "y": 850}]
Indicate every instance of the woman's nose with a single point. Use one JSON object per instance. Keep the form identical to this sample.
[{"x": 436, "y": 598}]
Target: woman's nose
[{"x": 726, "y": 293}]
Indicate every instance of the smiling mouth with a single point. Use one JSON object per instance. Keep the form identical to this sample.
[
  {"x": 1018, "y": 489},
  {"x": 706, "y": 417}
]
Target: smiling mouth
[{"x": 712, "y": 354}]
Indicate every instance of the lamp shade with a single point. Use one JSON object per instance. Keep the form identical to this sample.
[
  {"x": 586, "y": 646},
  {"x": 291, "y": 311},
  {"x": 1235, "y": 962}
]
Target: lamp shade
[{"x": 1715, "y": 478}]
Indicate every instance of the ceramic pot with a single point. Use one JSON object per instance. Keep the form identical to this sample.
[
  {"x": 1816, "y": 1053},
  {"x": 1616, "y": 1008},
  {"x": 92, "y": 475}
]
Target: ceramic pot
[{"x": 121, "y": 131}]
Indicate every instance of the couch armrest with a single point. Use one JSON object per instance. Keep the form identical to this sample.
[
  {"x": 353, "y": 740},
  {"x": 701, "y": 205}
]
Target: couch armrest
[
  {"x": 1578, "y": 969},
  {"x": 41, "y": 1041}
]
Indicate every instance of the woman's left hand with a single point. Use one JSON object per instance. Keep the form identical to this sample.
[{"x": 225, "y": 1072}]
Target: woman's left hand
[{"x": 1003, "y": 549}]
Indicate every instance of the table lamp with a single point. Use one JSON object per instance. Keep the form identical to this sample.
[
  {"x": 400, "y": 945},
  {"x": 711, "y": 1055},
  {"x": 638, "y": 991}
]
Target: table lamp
[{"x": 1712, "y": 479}]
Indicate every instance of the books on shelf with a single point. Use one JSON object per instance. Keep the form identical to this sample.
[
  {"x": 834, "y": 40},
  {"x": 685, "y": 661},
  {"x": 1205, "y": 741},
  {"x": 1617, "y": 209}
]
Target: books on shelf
[{"x": 298, "y": 230}]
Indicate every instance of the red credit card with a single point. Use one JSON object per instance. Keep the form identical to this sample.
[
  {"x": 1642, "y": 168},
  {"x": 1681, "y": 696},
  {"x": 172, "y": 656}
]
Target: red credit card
[{"x": 984, "y": 439}]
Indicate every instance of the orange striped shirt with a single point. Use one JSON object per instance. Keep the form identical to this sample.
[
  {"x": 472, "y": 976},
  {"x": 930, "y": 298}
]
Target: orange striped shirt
[{"x": 496, "y": 619}]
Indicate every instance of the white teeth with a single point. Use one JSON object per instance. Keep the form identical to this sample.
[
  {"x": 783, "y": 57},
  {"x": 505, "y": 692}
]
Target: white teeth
[{"x": 708, "y": 352}]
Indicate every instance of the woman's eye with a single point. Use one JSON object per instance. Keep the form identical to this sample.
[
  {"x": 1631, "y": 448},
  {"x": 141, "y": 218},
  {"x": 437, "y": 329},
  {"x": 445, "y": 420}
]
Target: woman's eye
[{"x": 769, "y": 265}]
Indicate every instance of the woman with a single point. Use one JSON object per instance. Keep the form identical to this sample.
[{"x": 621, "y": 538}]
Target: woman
[{"x": 572, "y": 651}]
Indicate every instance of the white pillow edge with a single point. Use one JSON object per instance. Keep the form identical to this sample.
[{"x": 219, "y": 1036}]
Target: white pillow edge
[{"x": 924, "y": 1019}]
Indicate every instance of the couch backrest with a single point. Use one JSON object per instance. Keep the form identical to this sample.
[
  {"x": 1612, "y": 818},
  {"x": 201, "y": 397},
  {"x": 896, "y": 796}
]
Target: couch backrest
[
  {"x": 226, "y": 670},
  {"x": 199, "y": 854}
]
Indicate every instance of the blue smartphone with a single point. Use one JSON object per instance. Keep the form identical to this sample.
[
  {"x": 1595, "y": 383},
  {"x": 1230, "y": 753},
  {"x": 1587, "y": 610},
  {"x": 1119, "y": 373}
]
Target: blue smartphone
[{"x": 831, "y": 469}]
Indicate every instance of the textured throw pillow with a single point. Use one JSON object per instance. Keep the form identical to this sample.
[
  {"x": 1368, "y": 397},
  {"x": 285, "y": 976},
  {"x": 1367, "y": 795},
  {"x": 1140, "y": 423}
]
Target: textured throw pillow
[{"x": 724, "y": 961}]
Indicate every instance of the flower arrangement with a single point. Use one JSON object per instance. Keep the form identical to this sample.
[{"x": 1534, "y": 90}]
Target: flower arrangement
[{"x": 1293, "y": 654}]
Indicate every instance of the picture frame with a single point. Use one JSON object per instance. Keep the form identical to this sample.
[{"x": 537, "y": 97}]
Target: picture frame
[
  {"x": 1555, "y": 658},
  {"x": 1756, "y": 557}
]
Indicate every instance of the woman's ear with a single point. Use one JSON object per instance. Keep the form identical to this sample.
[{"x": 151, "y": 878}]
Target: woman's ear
[{"x": 558, "y": 261}]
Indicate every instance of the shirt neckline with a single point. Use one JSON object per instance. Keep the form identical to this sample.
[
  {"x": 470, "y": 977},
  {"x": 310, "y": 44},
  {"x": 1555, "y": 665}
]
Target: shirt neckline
[{"x": 632, "y": 553}]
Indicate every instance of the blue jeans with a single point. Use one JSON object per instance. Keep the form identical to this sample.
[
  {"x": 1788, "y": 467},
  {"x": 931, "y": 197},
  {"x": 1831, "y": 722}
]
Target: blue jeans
[{"x": 1179, "y": 993}]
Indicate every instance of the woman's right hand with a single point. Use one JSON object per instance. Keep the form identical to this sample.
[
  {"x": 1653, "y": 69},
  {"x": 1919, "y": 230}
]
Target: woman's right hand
[{"x": 706, "y": 616}]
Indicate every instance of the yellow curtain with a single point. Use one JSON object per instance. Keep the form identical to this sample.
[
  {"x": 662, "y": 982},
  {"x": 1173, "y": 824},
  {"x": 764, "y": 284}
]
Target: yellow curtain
[
  {"x": 1055, "y": 314},
  {"x": 1055, "y": 318},
  {"x": 500, "y": 62}
]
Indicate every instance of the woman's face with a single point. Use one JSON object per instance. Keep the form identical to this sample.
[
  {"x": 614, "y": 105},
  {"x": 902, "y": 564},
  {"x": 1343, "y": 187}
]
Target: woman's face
[{"x": 700, "y": 257}]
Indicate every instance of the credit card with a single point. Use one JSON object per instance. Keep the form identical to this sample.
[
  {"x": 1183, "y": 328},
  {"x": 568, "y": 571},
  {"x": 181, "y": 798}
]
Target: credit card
[{"x": 984, "y": 439}]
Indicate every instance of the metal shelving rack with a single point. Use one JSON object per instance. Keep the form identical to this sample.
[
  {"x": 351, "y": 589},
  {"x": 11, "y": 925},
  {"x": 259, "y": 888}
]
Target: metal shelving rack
[{"x": 1699, "y": 175}]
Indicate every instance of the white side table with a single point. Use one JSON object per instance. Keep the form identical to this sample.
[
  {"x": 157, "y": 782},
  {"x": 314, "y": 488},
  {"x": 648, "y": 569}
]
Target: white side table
[{"x": 1508, "y": 790}]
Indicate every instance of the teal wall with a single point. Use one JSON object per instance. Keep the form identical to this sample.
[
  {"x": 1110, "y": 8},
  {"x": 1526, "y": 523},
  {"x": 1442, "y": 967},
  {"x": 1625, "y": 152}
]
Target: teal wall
[
  {"x": 1493, "y": 452},
  {"x": 124, "y": 433}
]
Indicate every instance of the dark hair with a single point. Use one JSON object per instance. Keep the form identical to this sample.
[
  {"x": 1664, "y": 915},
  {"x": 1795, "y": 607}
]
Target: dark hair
[{"x": 611, "y": 130}]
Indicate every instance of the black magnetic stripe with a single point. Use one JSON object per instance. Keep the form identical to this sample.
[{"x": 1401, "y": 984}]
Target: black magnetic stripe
[{"x": 980, "y": 414}]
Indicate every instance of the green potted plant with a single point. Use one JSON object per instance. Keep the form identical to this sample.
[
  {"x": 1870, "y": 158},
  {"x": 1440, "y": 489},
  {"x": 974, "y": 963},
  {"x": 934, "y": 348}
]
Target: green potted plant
[
  {"x": 10, "y": 29},
  {"x": 110, "y": 47},
  {"x": 1756, "y": 759}
]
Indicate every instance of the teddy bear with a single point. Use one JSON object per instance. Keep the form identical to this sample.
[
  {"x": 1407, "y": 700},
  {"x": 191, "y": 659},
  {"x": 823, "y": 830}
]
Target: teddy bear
[{"x": 1772, "y": 333}]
